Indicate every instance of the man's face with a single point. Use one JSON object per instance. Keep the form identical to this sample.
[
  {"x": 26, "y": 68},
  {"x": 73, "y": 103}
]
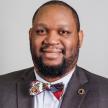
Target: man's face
[{"x": 54, "y": 38}]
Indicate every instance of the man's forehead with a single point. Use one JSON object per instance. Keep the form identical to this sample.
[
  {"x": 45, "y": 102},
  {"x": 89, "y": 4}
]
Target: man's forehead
[
  {"x": 57, "y": 7},
  {"x": 51, "y": 18}
]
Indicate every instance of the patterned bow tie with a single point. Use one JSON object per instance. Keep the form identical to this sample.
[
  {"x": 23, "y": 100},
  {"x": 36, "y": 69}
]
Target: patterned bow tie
[{"x": 37, "y": 87}]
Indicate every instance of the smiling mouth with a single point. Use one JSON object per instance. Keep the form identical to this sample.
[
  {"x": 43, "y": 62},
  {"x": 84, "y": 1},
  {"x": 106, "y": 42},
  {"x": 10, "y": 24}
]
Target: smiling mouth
[
  {"x": 53, "y": 50},
  {"x": 52, "y": 53}
]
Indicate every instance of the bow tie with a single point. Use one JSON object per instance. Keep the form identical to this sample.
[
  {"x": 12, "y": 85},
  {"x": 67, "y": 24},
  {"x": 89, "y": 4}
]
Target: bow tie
[{"x": 37, "y": 87}]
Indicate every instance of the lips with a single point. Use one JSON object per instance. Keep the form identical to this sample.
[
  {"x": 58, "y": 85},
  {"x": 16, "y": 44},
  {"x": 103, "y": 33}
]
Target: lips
[
  {"x": 51, "y": 53},
  {"x": 52, "y": 50}
]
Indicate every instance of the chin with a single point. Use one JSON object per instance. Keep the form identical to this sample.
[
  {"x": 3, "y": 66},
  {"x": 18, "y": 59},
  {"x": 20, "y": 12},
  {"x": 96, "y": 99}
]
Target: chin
[{"x": 51, "y": 69}]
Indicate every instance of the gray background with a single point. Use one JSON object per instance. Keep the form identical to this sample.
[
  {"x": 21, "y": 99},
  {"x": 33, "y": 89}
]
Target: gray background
[{"x": 15, "y": 21}]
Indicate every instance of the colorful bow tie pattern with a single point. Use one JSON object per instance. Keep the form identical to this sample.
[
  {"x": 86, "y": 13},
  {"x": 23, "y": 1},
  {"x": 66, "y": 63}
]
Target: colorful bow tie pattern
[{"x": 37, "y": 87}]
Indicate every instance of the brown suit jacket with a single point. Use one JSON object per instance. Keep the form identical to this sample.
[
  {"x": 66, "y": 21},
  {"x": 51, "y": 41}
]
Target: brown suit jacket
[{"x": 85, "y": 90}]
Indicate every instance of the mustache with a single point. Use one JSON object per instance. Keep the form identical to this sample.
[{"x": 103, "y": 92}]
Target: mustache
[{"x": 46, "y": 46}]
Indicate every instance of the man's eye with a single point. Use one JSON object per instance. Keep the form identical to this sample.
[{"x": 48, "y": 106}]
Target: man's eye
[
  {"x": 64, "y": 32},
  {"x": 41, "y": 32}
]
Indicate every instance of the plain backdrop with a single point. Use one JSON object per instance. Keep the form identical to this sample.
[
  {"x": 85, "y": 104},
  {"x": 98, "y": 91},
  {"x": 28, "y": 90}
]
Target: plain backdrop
[{"x": 15, "y": 21}]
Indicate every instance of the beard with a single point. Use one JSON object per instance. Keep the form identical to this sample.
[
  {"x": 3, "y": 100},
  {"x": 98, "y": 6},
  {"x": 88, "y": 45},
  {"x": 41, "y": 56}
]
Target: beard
[
  {"x": 55, "y": 71},
  {"x": 50, "y": 71}
]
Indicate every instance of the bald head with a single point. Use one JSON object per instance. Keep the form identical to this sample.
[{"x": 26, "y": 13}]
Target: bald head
[{"x": 59, "y": 3}]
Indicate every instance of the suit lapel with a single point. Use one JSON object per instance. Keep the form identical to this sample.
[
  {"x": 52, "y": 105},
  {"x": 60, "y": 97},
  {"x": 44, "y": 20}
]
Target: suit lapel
[
  {"x": 23, "y": 98},
  {"x": 76, "y": 90}
]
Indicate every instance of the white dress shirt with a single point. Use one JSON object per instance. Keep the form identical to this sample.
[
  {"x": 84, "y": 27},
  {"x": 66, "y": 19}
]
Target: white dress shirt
[{"x": 46, "y": 99}]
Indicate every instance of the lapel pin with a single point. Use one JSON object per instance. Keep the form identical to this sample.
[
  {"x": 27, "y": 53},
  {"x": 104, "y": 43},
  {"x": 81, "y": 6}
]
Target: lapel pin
[{"x": 81, "y": 91}]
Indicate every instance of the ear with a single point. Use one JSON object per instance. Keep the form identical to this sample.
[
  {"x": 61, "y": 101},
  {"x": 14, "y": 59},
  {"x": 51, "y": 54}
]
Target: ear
[
  {"x": 30, "y": 33},
  {"x": 80, "y": 38}
]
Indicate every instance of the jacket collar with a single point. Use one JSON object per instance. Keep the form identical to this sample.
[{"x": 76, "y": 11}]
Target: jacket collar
[{"x": 28, "y": 75}]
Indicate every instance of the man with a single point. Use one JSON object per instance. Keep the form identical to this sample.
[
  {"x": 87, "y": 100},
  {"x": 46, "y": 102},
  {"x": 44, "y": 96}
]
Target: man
[{"x": 55, "y": 40}]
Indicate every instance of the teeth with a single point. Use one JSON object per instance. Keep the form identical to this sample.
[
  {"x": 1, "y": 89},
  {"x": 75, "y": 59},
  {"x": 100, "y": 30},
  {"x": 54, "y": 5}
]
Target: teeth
[{"x": 52, "y": 50}]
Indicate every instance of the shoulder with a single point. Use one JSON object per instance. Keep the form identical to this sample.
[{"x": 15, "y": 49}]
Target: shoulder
[
  {"x": 93, "y": 77},
  {"x": 96, "y": 82},
  {"x": 14, "y": 76}
]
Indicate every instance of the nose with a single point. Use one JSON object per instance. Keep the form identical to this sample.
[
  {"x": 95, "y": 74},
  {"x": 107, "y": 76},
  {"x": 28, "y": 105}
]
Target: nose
[{"x": 52, "y": 39}]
